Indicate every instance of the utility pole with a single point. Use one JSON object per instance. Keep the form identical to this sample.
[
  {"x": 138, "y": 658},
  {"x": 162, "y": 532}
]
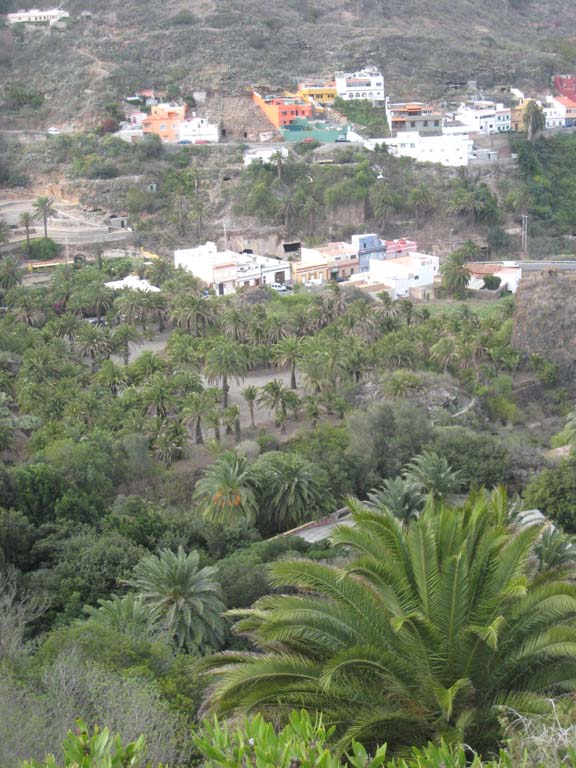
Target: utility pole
[{"x": 525, "y": 234}]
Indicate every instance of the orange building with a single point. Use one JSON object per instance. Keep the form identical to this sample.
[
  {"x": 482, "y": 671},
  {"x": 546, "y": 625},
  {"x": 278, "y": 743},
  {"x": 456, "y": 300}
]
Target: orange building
[
  {"x": 282, "y": 110},
  {"x": 165, "y": 121}
]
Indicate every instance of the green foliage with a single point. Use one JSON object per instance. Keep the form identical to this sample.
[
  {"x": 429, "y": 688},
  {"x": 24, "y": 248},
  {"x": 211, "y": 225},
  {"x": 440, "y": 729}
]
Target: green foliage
[
  {"x": 98, "y": 749},
  {"x": 409, "y": 641},
  {"x": 182, "y": 596},
  {"x": 553, "y": 492},
  {"x": 42, "y": 249},
  {"x": 364, "y": 113},
  {"x": 19, "y": 96}
]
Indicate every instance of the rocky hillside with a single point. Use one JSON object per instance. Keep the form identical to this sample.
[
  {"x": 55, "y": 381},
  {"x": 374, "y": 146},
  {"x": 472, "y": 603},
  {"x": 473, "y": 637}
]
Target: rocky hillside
[
  {"x": 422, "y": 45},
  {"x": 544, "y": 320}
]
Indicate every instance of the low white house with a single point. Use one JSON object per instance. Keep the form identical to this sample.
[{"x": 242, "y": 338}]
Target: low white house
[
  {"x": 264, "y": 154},
  {"x": 484, "y": 117},
  {"x": 555, "y": 114},
  {"x": 133, "y": 283},
  {"x": 402, "y": 274},
  {"x": 226, "y": 271},
  {"x": 509, "y": 272},
  {"x": 35, "y": 16},
  {"x": 199, "y": 130},
  {"x": 451, "y": 151}
]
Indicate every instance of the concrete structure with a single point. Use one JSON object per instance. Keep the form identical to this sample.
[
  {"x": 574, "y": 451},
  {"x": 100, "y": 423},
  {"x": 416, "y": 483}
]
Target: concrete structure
[
  {"x": 451, "y": 151},
  {"x": 415, "y": 116},
  {"x": 517, "y": 115},
  {"x": 264, "y": 154},
  {"x": 555, "y": 114},
  {"x": 509, "y": 272},
  {"x": 366, "y": 84},
  {"x": 327, "y": 262},
  {"x": 368, "y": 247},
  {"x": 484, "y": 117},
  {"x": 321, "y": 92},
  {"x": 565, "y": 85},
  {"x": 130, "y": 133},
  {"x": 402, "y": 274},
  {"x": 133, "y": 283},
  {"x": 199, "y": 130},
  {"x": 226, "y": 271},
  {"x": 35, "y": 16},
  {"x": 165, "y": 121},
  {"x": 282, "y": 110},
  {"x": 566, "y": 108}
]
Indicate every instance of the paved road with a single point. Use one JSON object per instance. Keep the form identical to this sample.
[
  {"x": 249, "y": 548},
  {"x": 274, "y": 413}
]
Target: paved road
[{"x": 319, "y": 530}]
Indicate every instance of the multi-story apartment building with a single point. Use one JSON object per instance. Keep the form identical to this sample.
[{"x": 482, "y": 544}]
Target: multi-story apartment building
[{"x": 366, "y": 84}]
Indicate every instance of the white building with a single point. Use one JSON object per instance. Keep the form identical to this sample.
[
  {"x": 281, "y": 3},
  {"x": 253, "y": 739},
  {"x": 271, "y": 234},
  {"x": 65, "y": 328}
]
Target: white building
[
  {"x": 132, "y": 283},
  {"x": 366, "y": 84},
  {"x": 199, "y": 130},
  {"x": 35, "y": 16},
  {"x": 555, "y": 113},
  {"x": 509, "y": 272},
  {"x": 226, "y": 271},
  {"x": 402, "y": 274},
  {"x": 484, "y": 117},
  {"x": 448, "y": 150},
  {"x": 264, "y": 154}
]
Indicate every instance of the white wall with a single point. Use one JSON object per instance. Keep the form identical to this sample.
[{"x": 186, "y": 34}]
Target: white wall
[
  {"x": 370, "y": 85},
  {"x": 448, "y": 150},
  {"x": 199, "y": 261},
  {"x": 414, "y": 270},
  {"x": 199, "y": 129}
]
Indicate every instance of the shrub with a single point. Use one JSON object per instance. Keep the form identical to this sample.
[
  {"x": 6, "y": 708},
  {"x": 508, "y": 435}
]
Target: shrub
[{"x": 43, "y": 249}]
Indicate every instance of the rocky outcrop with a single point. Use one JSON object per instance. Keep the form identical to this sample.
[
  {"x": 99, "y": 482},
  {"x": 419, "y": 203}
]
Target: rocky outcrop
[{"x": 545, "y": 319}]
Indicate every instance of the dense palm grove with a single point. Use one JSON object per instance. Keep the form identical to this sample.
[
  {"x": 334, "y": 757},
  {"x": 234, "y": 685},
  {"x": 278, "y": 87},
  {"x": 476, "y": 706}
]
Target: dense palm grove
[{"x": 155, "y": 447}]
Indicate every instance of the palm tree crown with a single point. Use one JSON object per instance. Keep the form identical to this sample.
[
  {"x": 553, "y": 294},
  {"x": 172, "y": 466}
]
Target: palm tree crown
[
  {"x": 187, "y": 600},
  {"x": 421, "y": 636}
]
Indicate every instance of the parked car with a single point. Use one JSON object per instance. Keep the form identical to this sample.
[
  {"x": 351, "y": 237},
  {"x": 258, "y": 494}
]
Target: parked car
[
  {"x": 341, "y": 139},
  {"x": 53, "y": 131},
  {"x": 278, "y": 287},
  {"x": 95, "y": 321},
  {"x": 184, "y": 141}
]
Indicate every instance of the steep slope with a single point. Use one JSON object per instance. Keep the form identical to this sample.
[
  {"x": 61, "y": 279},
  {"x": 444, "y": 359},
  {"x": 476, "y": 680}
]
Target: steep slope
[{"x": 422, "y": 45}]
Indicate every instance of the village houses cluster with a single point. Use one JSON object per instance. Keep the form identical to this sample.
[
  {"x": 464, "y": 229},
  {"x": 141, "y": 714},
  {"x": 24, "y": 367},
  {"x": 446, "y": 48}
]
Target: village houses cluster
[{"x": 450, "y": 135}]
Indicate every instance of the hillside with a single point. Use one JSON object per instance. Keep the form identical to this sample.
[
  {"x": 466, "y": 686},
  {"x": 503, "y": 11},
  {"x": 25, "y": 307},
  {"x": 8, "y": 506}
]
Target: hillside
[{"x": 422, "y": 45}]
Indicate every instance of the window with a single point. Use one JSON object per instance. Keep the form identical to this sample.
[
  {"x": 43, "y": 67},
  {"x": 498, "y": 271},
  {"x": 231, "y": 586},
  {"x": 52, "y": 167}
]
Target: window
[
  {"x": 425, "y": 123},
  {"x": 436, "y": 123},
  {"x": 162, "y": 127},
  {"x": 413, "y": 124}
]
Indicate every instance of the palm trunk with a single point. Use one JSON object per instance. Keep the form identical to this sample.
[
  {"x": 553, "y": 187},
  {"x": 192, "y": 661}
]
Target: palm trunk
[
  {"x": 27, "y": 240},
  {"x": 45, "y": 217},
  {"x": 198, "y": 434},
  {"x": 252, "y": 422},
  {"x": 225, "y": 389},
  {"x": 126, "y": 353},
  {"x": 293, "y": 376},
  {"x": 237, "y": 429}
]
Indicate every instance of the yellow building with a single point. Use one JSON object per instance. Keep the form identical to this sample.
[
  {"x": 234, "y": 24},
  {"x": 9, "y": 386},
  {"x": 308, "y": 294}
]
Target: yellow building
[
  {"x": 321, "y": 91},
  {"x": 517, "y": 114}
]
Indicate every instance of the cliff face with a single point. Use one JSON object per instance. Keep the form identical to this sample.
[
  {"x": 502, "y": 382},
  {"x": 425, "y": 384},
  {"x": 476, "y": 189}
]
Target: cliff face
[{"x": 545, "y": 319}]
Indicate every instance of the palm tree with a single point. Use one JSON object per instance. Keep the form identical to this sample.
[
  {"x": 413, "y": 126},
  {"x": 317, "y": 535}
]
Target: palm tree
[
  {"x": 225, "y": 360},
  {"x": 444, "y": 353},
  {"x": 158, "y": 394},
  {"x": 93, "y": 342},
  {"x": 291, "y": 490},
  {"x": 226, "y": 493},
  {"x": 288, "y": 351},
  {"x": 122, "y": 336},
  {"x": 131, "y": 307},
  {"x": 194, "y": 408},
  {"x": 112, "y": 376},
  {"x": 455, "y": 274},
  {"x": 432, "y": 474},
  {"x": 423, "y": 634},
  {"x": 250, "y": 394},
  {"x": 397, "y": 496},
  {"x": 555, "y": 551},
  {"x": 186, "y": 600},
  {"x": 127, "y": 615},
  {"x": 169, "y": 441},
  {"x": 10, "y": 272},
  {"x": 422, "y": 200},
  {"x": 231, "y": 419},
  {"x": 25, "y": 220},
  {"x": 534, "y": 120},
  {"x": 182, "y": 351},
  {"x": 67, "y": 326},
  {"x": 273, "y": 396},
  {"x": 44, "y": 210}
]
